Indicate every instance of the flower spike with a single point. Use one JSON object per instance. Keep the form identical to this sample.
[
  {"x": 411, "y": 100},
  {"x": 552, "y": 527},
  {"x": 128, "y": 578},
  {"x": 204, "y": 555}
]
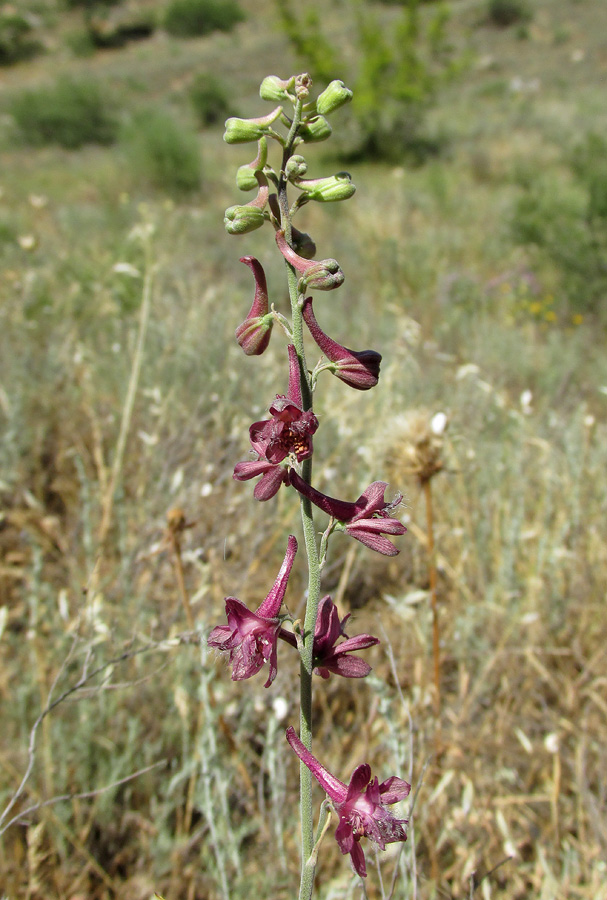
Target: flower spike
[
  {"x": 251, "y": 637},
  {"x": 360, "y": 805},
  {"x": 360, "y": 370}
]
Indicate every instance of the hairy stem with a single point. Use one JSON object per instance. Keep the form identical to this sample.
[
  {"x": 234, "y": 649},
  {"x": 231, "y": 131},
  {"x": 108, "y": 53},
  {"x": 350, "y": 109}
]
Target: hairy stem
[{"x": 308, "y": 865}]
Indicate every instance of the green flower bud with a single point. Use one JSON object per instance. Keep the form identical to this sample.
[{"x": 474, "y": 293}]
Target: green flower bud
[
  {"x": 275, "y": 89},
  {"x": 334, "y": 96},
  {"x": 245, "y": 178},
  {"x": 325, "y": 275},
  {"x": 242, "y": 219},
  {"x": 315, "y": 129},
  {"x": 296, "y": 168},
  {"x": 327, "y": 190},
  {"x": 242, "y": 131}
]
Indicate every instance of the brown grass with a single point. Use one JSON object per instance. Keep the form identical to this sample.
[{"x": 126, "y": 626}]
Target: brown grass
[{"x": 519, "y": 511}]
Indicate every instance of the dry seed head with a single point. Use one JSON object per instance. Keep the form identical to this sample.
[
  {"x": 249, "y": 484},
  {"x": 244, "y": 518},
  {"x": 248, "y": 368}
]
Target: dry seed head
[
  {"x": 416, "y": 447},
  {"x": 177, "y": 521}
]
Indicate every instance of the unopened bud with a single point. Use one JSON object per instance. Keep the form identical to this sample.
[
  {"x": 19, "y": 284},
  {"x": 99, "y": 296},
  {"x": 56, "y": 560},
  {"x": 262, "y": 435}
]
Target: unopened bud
[
  {"x": 275, "y": 89},
  {"x": 359, "y": 370},
  {"x": 296, "y": 168},
  {"x": 245, "y": 178},
  {"x": 316, "y": 129},
  {"x": 242, "y": 131},
  {"x": 254, "y": 334},
  {"x": 334, "y": 95},
  {"x": 242, "y": 219},
  {"x": 327, "y": 190},
  {"x": 325, "y": 275}
]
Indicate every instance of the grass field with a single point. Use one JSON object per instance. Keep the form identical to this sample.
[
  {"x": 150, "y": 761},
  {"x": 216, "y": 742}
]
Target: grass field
[{"x": 109, "y": 262}]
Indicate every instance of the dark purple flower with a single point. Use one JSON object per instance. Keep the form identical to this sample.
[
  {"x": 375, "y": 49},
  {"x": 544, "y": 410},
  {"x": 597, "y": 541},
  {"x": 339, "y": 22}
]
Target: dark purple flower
[
  {"x": 361, "y": 805},
  {"x": 251, "y": 637},
  {"x": 358, "y": 369},
  {"x": 254, "y": 333},
  {"x": 367, "y": 519},
  {"x": 326, "y": 656},
  {"x": 287, "y": 434},
  {"x": 330, "y": 658}
]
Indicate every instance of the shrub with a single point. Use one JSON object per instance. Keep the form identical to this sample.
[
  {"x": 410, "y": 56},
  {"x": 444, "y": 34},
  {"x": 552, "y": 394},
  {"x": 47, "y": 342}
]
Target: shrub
[
  {"x": 70, "y": 113},
  {"x": 80, "y": 43},
  {"x": 17, "y": 41},
  {"x": 507, "y": 12},
  {"x": 210, "y": 100},
  {"x": 163, "y": 152},
  {"x": 192, "y": 18},
  {"x": 307, "y": 40},
  {"x": 396, "y": 79},
  {"x": 564, "y": 223},
  {"x": 88, "y": 5},
  {"x": 110, "y": 28}
]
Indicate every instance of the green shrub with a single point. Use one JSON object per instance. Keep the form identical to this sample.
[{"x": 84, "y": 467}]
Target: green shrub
[
  {"x": 89, "y": 5},
  {"x": 192, "y": 18},
  {"x": 210, "y": 100},
  {"x": 305, "y": 35},
  {"x": 17, "y": 41},
  {"x": 70, "y": 113},
  {"x": 395, "y": 82},
  {"x": 81, "y": 43},
  {"x": 564, "y": 224},
  {"x": 163, "y": 152},
  {"x": 111, "y": 28},
  {"x": 589, "y": 163},
  {"x": 507, "y": 12}
]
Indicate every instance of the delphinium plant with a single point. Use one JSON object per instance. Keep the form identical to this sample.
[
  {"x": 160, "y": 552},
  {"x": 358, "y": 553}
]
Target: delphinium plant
[{"x": 282, "y": 448}]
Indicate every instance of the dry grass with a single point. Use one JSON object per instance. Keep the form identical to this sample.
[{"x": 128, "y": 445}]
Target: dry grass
[{"x": 519, "y": 516}]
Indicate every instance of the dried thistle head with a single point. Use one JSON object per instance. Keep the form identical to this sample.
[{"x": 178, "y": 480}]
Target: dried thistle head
[
  {"x": 417, "y": 443},
  {"x": 177, "y": 522}
]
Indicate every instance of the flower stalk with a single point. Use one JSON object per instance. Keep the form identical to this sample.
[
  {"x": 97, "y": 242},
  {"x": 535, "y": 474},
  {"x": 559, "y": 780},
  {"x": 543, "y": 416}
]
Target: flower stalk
[{"x": 283, "y": 453}]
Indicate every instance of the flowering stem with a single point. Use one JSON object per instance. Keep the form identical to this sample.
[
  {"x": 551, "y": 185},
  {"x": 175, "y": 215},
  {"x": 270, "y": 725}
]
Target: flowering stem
[
  {"x": 427, "y": 484},
  {"x": 305, "y": 726}
]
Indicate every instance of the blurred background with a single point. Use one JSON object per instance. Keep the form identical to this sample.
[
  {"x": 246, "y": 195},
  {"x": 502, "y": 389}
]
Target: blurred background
[{"x": 474, "y": 252}]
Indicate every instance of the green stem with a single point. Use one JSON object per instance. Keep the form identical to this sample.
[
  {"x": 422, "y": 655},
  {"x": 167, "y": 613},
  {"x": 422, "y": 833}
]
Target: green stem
[{"x": 308, "y": 862}]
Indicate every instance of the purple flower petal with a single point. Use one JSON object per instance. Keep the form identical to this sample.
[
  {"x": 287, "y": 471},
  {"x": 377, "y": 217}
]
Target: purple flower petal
[{"x": 271, "y": 605}]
